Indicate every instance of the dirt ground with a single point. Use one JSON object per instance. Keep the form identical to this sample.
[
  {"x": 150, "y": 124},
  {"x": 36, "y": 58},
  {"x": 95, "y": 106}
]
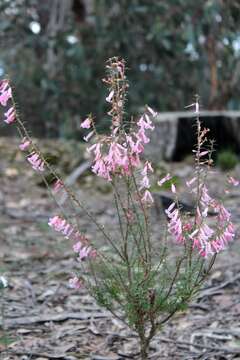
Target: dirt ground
[{"x": 42, "y": 318}]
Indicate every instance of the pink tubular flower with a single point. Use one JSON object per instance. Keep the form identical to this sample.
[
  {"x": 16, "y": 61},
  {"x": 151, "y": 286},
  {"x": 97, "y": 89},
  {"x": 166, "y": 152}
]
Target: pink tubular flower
[
  {"x": 203, "y": 153},
  {"x": 152, "y": 112},
  {"x": 75, "y": 283},
  {"x": 110, "y": 96},
  {"x": 60, "y": 225},
  {"x": 24, "y": 144},
  {"x": 5, "y": 95},
  {"x": 233, "y": 181},
  {"x": 173, "y": 189},
  {"x": 142, "y": 136},
  {"x": 3, "y": 85},
  {"x": 190, "y": 182},
  {"x": 147, "y": 197},
  {"x": 145, "y": 122},
  {"x": 164, "y": 179},
  {"x": 84, "y": 251},
  {"x": 58, "y": 185},
  {"x": 144, "y": 183},
  {"x": 10, "y": 116},
  {"x": 86, "y": 124},
  {"x": 223, "y": 214},
  {"x": 175, "y": 226},
  {"x": 147, "y": 168},
  {"x": 36, "y": 162}
]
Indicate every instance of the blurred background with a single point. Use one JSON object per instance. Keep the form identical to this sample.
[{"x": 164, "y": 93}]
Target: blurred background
[{"x": 55, "y": 51}]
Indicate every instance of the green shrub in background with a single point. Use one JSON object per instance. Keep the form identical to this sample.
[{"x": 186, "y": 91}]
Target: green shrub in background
[{"x": 227, "y": 159}]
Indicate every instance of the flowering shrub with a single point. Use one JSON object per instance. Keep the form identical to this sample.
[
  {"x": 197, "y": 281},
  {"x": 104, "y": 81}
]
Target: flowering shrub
[{"x": 138, "y": 280}]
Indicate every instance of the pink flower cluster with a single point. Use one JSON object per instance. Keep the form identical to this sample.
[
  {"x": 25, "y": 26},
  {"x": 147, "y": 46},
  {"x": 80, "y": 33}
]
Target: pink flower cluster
[
  {"x": 145, "y": 183},
  {"x": 206, "y": 240},
  {"x": 80, "y": 247},
  {"x": 24, "y": 144},
  {"x": 36, "y": 162},
  {"x": 175, "y": 226},
  {"x": 10, "y": 116},
  {"x": 119, "y": 155},
  {"x": 58, "y": 185},
  {"x": 5, "y": 95},
  {"x": 75, "y": 282}
]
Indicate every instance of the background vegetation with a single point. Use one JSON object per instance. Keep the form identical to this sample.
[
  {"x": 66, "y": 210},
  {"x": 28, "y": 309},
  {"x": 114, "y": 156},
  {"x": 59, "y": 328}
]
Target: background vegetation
[{"x": 55, "y": 52}]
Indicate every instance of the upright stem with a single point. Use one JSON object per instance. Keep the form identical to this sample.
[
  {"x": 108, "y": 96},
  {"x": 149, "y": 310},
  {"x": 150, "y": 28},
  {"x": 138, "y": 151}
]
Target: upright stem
[{"x": 144, "y": 348}]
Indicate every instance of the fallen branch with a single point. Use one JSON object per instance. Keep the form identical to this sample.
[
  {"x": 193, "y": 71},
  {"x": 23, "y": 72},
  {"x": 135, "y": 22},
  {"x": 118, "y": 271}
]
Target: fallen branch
[
  {"x": 12, "y": 323},
  {"x": 215, "y": 290},
  {"x": 220, "y": 350},
  {"x": 37, "y": 354},
  {"x": 72, "y": 178}
]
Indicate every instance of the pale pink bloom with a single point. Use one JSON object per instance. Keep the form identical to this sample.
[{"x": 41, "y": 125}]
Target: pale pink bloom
[
  {"x": 101, "y": 169},
  {"x": 197, "y": 107},
  {"x": 151, "y": 111},
  {"x": 190, "y": 182},
  {"x": 36, "y": 162},
  {"x": 84, "y": 253},
  {"x": 67, "y": 231},
  {"x": 223, "y": 238},
  {"x": 164, "y": 179},
  {"x": 173, "y": 189},
  {"x": 3, "y": 85},
  {"x": 58, "y": 185},
  {"x": 115, "y": 155},
  {"x": 77, "y": 247},
  {"x": 88, "y": 136},
  {"x": 24, "y": 144},
  {"x": 145, "y": 122},
  {"x": 86, "y": 124},
  {"x": 134, "y": 160},
  {"x": 175, "y": 224},
  {"x": 61, "y": 225},
  {"x": 233, "y": 181},
  {"x": 110, "y": 96},
  {"x": 56, "y": 223},
  {"x": 75, "y": 283},
  {"x": 5, "y": 96},
  {"x": 205, "y": 199},
  {"x": 203, "y": 153},
  {"x": 138, "y": 148},
  {"x": 142, "y": 136},
  {"x": 169, "y": 209},
  {"x": 147, "y": 168},
  {"x": 10, "y": 116},
  {"x": 223, "y": 214},
  {"x": 147, "y": 197},
  {"x": 130, "y": 142},
  {"x": 144, "y": 183}
]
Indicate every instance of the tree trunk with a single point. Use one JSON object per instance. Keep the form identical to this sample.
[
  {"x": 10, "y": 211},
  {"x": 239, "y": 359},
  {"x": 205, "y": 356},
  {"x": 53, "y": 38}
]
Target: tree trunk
[{"x": 144, "y": 349}]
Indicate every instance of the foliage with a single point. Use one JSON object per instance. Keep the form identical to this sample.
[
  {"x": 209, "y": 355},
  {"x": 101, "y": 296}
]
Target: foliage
[
  {"x": 57, "y": 70},
  {"x": 227, "y": 160}
]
